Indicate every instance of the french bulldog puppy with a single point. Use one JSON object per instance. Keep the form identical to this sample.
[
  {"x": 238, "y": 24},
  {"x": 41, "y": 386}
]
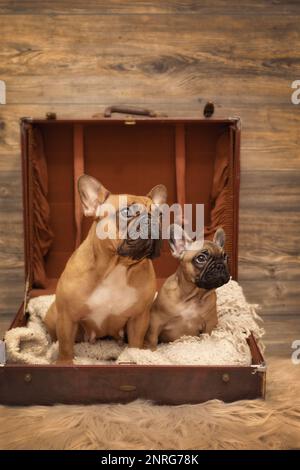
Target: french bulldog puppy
[
  {"x": 186, "y": 303},
  {"x": 108, "y": 284}
]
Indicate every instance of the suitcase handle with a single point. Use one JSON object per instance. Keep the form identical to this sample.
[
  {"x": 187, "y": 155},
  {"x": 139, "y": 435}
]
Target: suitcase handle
[{"x": 128, "y": 110}]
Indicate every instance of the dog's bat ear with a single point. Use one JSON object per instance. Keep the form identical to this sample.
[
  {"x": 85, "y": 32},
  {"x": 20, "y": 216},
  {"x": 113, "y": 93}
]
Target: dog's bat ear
[
  {"x": 219, "y": 238},
  {"x": 92, "y": 193},
  {"x": 179, "y": 241},
  {"x": 158, "y": 194}
]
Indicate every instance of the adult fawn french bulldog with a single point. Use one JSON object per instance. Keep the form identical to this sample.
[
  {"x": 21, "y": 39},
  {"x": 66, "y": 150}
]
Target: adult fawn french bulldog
[
  {"x": 109, "y": 282},
  {"x": 186, "y": 303}
]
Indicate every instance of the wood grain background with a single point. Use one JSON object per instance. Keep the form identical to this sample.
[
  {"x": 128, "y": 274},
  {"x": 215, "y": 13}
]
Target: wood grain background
[{"x": 75, "y": 57}]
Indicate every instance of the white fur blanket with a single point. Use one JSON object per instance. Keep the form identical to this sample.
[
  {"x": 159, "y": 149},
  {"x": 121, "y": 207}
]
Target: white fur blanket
[{"x": 227, "y": 344}]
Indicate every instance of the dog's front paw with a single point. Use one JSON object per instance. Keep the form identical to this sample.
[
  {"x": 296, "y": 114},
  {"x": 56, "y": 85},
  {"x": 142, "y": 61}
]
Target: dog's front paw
[
  {"x": 147, "y": 345},
  {"x": 120, "y": 342}
]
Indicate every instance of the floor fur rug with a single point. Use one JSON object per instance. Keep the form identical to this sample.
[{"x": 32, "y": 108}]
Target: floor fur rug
[{"x": 270, "y": 424}]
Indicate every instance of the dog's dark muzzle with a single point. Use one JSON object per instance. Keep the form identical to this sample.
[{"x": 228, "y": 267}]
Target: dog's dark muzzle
[
  {"x": 215, "y": 276},
  {"x": 144, "y": 238}
]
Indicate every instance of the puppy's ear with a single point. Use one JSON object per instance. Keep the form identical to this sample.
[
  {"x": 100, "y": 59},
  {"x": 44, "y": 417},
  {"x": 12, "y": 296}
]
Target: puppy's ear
[
  {"x": 219, "y": 238},
  {"x": 92, "y": 194},
  {"x": 158, "y": 194},
  {"x": 179, "y": 241}
]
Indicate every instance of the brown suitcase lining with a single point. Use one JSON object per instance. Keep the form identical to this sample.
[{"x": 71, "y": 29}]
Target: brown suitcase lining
[{"x": 194, "y": 160}]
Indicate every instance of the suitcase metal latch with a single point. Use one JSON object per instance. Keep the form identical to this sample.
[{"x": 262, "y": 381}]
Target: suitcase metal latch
[{"x": 259, "y": 367}]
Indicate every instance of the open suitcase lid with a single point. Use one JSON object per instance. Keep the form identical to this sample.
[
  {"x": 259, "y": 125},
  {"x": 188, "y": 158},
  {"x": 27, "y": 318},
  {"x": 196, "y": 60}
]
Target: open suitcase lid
[{"x": 196, "y": 159}]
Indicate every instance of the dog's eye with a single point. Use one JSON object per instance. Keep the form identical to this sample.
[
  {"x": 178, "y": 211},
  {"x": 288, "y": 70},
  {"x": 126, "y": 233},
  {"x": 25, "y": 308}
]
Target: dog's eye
[
  {"x": 130, "y": 211},
  {"x": 201, "y": 258},
  {"x": 126, "y": 212}
]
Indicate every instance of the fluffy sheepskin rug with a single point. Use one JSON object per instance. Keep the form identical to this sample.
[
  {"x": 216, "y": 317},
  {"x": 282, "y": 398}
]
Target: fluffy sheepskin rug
[
  {"x": 258, "y": 424},
  {"x": 226, "y": 346}
]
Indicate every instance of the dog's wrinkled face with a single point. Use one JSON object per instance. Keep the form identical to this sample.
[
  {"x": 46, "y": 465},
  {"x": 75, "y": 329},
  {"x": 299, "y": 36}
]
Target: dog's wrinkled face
[
  {"x": 130, "y": 225},
  {"x": 144, "y": 228},
  {"x": 206, "y": 266}
]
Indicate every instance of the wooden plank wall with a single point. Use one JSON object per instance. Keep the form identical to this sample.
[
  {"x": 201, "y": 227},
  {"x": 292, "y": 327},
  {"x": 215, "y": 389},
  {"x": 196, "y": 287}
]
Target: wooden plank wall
[{"x": 75, "y": 57}]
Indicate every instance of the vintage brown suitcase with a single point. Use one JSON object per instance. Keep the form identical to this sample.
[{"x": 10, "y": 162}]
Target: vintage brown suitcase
[{"x": 198, "y": 161}]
